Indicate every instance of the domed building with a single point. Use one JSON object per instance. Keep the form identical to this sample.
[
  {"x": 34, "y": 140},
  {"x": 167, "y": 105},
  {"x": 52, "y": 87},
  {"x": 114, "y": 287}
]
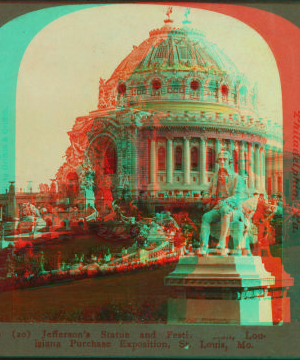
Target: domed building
[{"x": 162, "y": 118}]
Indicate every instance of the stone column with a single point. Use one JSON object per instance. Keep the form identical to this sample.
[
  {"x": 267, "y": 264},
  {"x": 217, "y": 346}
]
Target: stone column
[
  {"x": 250, "y": 167},
  {"x": 262, "y": 169},
  {"x": 246, "y": 158},
  {"x": 242, "y": 160},
  {"x": 186, "y": 160},
  {"x": 169, "y": 160},
  {"x": 257, "y": 168},
  {"x": 236, "y": 147},
  {"x": 231, "y": 148},
  {"x": 203, "y": 179},
  {"x": 218, "y": 147},
  {"x": 152, "y": 161},
  {"x": 217, "y": 150},
  {"x": 275, "y": 170}
]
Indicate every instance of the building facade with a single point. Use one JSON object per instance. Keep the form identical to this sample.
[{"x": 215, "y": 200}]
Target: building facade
[{"x": 162, "y": 118}]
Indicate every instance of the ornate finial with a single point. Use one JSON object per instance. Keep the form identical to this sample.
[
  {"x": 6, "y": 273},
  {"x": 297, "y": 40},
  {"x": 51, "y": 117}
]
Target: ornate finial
[
  {"x": 29, "y": 186},
  {"x": 169, "y": 11},
  {"x": 186, "y": 14}
]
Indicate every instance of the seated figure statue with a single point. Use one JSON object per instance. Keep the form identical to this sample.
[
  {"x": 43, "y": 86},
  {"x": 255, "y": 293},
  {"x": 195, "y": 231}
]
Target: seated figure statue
[{"x": 228, "y": 192}]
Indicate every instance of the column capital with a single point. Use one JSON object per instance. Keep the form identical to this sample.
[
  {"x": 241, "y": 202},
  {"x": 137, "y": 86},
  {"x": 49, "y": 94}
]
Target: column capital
[
  {"x": 188, "y": 137},
  {"x": 170, "y": 138},
  {"x": 152, "y": 138}
]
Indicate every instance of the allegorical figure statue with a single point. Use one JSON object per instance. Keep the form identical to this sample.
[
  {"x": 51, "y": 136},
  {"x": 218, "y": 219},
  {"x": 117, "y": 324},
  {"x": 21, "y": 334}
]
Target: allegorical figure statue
[{"x": 228, "y": 191}]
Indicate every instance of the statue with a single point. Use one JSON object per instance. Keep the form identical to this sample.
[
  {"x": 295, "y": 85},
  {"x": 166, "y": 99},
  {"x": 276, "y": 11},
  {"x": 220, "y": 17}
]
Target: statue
[
  {"x": 228, "y": 191},
  {"x": 92, "y": 213},
  {"x": 41, "y": 261},
  {"x": 86, "y": 175},
  {"x": 266, "y": 209},
  {"x": 59, "y": 260},
  {"x": 107, "y": 257},
  {"x": 118, "y": 210},
  {"x": 30, "y": 217},
  {"x": 76, "y": 259},
  {"x": 186, "y": 14},
  {"x": 87, "y": 182}
]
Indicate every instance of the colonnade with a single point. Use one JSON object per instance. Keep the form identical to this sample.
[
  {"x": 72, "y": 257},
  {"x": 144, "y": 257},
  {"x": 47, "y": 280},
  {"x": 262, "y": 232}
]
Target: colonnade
[{"x": 254, "y": 161}]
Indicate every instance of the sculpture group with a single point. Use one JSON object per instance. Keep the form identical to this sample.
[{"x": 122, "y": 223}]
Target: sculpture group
[{"x": 232, "y": 209}]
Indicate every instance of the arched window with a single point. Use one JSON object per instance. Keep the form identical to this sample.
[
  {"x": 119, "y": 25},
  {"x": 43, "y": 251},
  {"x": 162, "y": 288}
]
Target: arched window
[
  {"x": 178, "y": 158},
  {"x": 122, "y": 88},
  {"x": 210, "y": 161},
  {"x": 243, "y": 95},
  {"x": 195, "y": 85},
  {"x": 195, "y": 159},
  {"x": 110, "y": 160},
  {"x": 156, "y": 84},
  {"x": 161, "y": 158},
  {"x": 224, "y": 91},
  {"x": 213, "y": 89}
]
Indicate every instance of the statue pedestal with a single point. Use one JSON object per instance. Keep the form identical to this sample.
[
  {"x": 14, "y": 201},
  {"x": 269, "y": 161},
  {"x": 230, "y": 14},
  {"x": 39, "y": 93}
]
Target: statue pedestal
[
  {"x": 279, "y": 291},
  {"x": 220, "y": 290}
]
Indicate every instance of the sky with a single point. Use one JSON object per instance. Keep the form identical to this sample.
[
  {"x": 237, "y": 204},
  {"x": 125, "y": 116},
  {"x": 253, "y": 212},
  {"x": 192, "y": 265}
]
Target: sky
[{"x": 60, "y": 70}]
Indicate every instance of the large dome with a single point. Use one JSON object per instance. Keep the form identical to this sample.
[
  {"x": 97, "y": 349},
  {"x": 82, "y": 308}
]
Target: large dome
[
  {"x": 171, "y": 48},
  {"x": 176, "y": 65}
]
